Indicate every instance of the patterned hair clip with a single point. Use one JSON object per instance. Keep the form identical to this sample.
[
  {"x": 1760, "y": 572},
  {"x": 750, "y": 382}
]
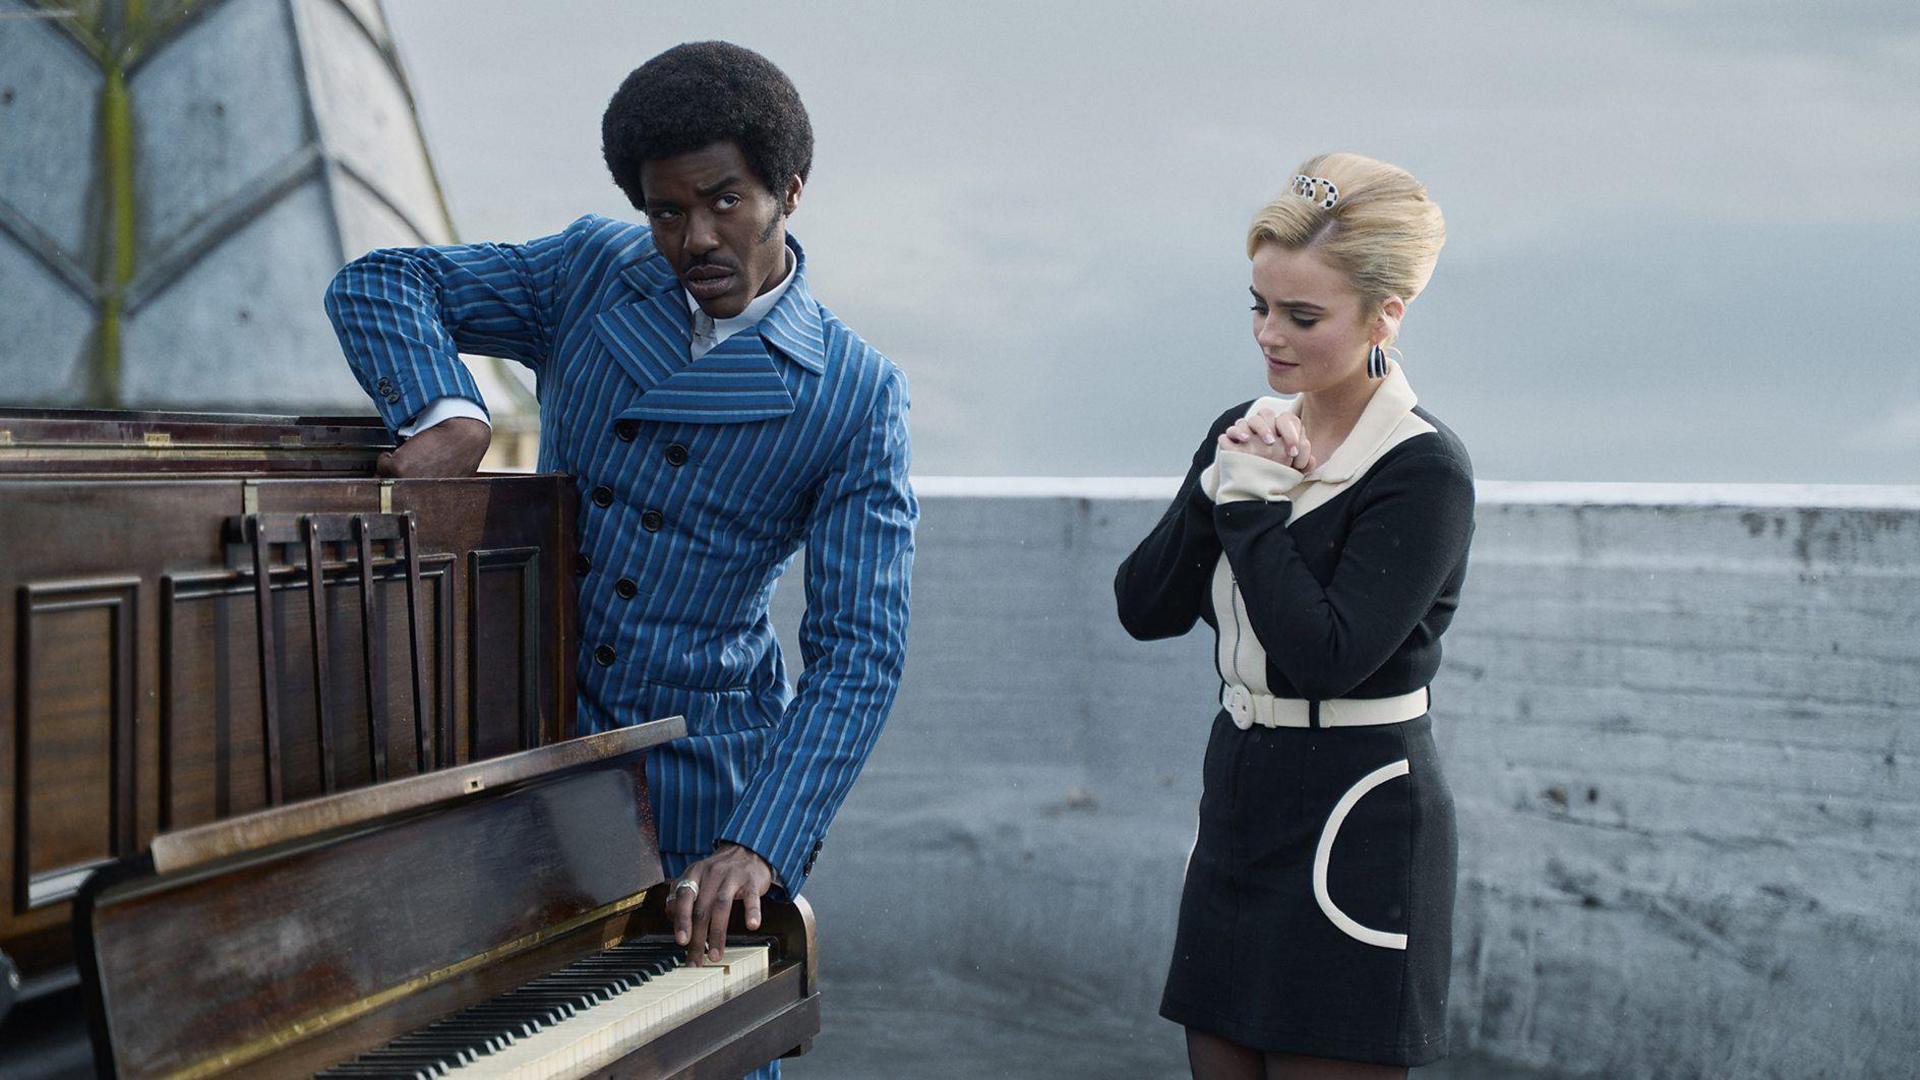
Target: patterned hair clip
[{"x": 1303, "y": 186}]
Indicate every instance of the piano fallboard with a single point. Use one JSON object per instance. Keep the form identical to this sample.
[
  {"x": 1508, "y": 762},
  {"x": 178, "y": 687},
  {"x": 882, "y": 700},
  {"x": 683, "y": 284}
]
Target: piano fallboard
[{"x": 295, "y": 940}]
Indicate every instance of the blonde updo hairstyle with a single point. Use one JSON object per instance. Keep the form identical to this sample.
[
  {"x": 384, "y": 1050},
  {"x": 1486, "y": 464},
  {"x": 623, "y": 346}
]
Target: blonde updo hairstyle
[{"x": 1382, "y": 232}]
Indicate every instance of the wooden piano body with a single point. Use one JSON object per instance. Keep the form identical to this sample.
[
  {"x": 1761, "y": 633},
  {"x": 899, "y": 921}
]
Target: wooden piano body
[
  {"x": 141, "y": 691},
  {"x": 292, "y": 940}
]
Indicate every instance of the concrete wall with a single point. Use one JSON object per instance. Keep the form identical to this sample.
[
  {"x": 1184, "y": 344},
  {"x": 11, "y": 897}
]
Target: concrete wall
[{"x": 1680, "y": 724}]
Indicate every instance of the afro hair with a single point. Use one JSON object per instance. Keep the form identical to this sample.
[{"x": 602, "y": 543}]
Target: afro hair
[{"x": 701, "y": 93}]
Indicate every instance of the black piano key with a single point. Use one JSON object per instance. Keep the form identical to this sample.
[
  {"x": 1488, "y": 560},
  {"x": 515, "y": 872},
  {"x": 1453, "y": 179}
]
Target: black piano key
[
  {"x": 485, "y": 1037},
  {"x": 475, "y": 1040},
  {"x": 551, "y": 1008},
  {"x": 505, "y": 1029},
  {"x": 539, "y": 987},
  {"x": 635, "y": 945},
  {"x": 635, "y": 948},
  {"x": 597, "y": 989},
  {"x": 409, "y": 1064},
  {"x": 461, "y": 1047},
  {"x": 609, "y": 962},
  {"x": 530, "y": 1001},
  {"x": 397, "y": 1057},
  {"x": 466, "y": 1022},
  {"x": 450, "y": 1033},
  {"x": 446, "y": 1048},
  {"x": 409, "y": 1054},
  {"x": 510, "y": 1017},
  {"x": 586, "y": 970},
  {"x": 454, "y": 1047},
  {"x": 572, "y": 982},
  {"x": 623, "y": 969},
  {"x": 638, "y": 963},
  {"x": 471, "y": 1019},
  {"x": 489, "y": 1031},
  {"x": 587, "y": 992},
  {"x": 621, "y": 980},
  {"x": 560, "y": 991},
  {"x": 537, "y": 1012}
]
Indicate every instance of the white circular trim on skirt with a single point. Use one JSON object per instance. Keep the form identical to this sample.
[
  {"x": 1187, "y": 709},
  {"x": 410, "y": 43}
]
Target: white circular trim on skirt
[{"x": 1323, "y": 854}]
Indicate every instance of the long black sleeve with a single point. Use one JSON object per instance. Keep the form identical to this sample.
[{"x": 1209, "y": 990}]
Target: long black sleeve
[
  {"x": 1162, "y": 587},
  {"x": 1407, "y": 542}
]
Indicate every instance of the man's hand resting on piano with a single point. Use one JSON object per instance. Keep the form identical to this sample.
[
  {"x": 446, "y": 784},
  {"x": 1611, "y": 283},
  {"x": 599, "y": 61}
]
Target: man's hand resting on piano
[
  {"x": 701, "y": 915},
  {"x": 449, "y": 448}
]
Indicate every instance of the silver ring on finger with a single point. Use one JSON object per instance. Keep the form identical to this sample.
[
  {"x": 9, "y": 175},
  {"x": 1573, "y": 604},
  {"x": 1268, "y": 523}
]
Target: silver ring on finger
[{"x": 686, "y": 885}]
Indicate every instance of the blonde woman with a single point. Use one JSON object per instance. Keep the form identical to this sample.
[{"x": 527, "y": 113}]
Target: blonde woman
[{"x": 1324, "y": 538}]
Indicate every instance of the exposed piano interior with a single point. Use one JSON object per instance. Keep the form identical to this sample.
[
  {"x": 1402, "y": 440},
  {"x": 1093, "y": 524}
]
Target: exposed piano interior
[
  {"x": 166, "y": 660},
  {"x": 501, "y": 918}
]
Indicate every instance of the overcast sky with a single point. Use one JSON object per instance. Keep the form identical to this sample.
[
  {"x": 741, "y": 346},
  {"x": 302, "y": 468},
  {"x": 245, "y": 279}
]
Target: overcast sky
[{"x": 1684, "y": 237}]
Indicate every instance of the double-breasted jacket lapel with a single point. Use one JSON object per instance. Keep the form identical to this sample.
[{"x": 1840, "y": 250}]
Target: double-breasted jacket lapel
[{"x": 738, "y": 381}]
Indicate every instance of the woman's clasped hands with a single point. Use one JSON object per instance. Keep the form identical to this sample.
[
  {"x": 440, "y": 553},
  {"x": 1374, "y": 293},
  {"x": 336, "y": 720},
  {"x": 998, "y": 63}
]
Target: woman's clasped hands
[{"x": 1277, "y": 436}]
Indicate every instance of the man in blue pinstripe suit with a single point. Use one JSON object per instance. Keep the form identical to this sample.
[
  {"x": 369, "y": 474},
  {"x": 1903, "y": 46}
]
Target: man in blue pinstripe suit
[{"x": 716, "y": 417}]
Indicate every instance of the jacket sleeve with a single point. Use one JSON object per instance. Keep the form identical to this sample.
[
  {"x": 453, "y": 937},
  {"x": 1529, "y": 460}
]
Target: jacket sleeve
[
  {"x": 1406, "y": 539},
  {"x": 853, "y": 641},
  {"x": 403, "y": 316},
  {"x": 1162, "y": 586}
]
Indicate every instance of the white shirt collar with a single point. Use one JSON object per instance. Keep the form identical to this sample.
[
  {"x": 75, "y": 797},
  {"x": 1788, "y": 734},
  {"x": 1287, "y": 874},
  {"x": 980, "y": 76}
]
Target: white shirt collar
[{"x": 709, "y": 332}]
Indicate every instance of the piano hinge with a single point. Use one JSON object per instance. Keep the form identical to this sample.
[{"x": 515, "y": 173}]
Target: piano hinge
[
  {"x": 386, "y": 496},
  {"x": 249, "y": 497},
  {"x": 159, "y": 439}
]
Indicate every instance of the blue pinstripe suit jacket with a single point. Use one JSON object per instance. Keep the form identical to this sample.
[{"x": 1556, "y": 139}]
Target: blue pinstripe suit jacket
[{"x": 699, "y": 480}]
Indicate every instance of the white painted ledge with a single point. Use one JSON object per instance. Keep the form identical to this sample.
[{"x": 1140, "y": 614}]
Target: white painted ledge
[
  {"x": 1614, "y": 493},
  {"x": 1491, "y": 492},
  {"x": 1046, "y": 487}
]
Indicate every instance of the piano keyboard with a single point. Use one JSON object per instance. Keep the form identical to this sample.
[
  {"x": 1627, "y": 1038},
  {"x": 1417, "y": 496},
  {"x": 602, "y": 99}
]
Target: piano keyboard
[{"x": 569, "y": 1022}]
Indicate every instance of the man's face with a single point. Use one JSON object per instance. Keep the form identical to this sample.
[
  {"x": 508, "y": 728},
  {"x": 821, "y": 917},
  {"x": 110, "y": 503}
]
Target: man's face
[{"x": 720, "y": 228}]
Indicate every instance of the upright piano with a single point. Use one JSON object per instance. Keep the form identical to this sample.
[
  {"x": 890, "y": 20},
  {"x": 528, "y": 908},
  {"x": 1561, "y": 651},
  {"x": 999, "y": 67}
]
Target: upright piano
[{"x": 304, "y": 736}]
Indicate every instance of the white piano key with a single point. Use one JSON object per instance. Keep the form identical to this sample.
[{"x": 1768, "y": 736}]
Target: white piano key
[{"x": 598, "y": 1036}]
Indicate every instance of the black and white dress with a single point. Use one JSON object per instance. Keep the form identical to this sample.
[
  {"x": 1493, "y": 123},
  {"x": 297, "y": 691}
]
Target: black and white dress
[{"x": 1318, "y": 907}]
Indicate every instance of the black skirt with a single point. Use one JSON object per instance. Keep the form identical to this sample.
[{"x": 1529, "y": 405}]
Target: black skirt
[{"x": 1318, "y": 911}]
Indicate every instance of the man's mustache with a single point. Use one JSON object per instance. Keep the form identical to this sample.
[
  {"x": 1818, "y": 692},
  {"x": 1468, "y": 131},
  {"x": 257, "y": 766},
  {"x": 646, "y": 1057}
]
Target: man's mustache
[{"x": 708, "y": 264}]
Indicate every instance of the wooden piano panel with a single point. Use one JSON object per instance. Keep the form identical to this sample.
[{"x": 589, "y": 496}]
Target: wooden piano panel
[
  {"x": 505, "y": 595},
  {"x": 74, "y": 737}
]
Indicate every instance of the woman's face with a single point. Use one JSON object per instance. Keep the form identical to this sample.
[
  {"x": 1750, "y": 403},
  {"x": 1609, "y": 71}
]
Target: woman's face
[{"x": 1307, "y": 320}]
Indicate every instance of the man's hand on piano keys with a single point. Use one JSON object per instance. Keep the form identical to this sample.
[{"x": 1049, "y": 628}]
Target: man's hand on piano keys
[
  {"x": 449, "y": 448},
  {"x": 700, "y": 915}
]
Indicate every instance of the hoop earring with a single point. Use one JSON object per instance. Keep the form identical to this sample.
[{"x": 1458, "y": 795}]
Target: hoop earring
[{"x": 1376, "y": 363}]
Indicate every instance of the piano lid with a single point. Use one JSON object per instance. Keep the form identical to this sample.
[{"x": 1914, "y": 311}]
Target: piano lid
[
  {"x": 248, "y": 834},
  {"x": 67, "y": 441}
]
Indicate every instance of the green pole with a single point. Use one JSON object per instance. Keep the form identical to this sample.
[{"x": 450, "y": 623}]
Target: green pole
[{"x": 121, "y": 27}]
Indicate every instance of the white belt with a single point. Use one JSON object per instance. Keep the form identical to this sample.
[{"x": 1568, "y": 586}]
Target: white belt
[{"x": 1248, "y": 708}]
